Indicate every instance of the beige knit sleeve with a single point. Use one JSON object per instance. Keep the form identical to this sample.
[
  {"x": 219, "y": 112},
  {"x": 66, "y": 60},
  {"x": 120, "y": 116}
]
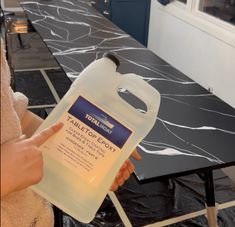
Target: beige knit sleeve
[
  {"x": 18, "y": 100},
  {"x": 20, "y": 103}
]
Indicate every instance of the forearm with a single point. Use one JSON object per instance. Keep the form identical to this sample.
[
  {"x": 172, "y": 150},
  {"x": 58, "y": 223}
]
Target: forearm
[{"x": 30, "y": 123}]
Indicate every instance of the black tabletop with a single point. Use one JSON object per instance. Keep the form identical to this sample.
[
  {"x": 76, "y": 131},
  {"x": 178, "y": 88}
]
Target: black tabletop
[{"x": 195, "y": 130}]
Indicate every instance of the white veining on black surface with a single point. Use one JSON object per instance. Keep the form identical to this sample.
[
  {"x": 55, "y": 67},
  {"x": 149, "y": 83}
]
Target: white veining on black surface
[
  {"x": 167, "y": 149},
  {"x": 195, "y": 129}
]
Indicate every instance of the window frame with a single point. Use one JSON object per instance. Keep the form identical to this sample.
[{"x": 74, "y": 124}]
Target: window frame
[{"x": 190, "y": 13}]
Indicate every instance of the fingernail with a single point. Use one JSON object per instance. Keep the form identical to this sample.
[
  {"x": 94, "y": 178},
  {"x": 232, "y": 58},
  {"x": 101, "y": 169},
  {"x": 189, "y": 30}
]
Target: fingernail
[
  {"x": 58, "y": 125},
  {"x": 124, "y": 165},
  {"x": 137, "y": 156}
]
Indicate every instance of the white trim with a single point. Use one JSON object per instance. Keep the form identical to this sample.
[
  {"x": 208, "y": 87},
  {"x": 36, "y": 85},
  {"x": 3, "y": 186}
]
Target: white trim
[
  {"x": 119, "y": 209},
  {"x": 51, "y": 86},
  {"x": 189, "y": 5},
  {"x": 42, "y": 106},
  {"x": 11, "y": 9},
  {"x": 181, "y": 5},
  {"x": 205, "y": 22},
  {"x": 36, "y": 69},
  {"x": 210, "y": 18},
  {"x": 190, "y": 215}
]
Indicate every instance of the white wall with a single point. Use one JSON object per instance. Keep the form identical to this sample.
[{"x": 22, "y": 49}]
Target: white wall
[{"x": 201, "y": 56}]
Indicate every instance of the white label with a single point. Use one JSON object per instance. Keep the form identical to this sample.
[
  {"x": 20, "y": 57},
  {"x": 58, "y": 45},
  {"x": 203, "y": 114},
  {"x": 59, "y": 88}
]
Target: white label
[{"x": 89, "y": 142}]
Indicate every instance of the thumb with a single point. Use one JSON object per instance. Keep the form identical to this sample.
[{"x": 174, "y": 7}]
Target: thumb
[{"x": 45, "y": 134}]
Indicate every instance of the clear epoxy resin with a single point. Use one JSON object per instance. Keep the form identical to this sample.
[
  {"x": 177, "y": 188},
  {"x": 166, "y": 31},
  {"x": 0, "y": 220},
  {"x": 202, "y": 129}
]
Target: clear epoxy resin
[{"x": 100, "y": 131}]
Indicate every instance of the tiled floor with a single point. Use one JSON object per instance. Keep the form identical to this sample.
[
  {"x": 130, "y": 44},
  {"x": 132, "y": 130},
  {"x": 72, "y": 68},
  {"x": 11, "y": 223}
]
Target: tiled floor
[
  {"x": 44, "y": 87},
  {"x": 37, "y": 74},
  {"x": 35, "y": 50},
  {"x": 39, "y": 77},
  {"x": 41, "y": 94}
]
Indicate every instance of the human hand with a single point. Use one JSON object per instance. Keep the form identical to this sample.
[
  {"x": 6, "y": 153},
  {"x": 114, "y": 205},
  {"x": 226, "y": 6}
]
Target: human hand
[
  {"x": 125, "y": 171},
  {"x": 22, "y": 161}
]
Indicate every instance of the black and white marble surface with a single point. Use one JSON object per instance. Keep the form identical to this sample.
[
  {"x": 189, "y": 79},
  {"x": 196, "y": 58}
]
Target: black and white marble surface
[{"x": 195, "y": 130}]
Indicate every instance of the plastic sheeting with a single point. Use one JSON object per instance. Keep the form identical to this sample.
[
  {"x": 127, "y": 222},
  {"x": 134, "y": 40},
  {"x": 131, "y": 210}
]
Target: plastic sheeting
[{"x": 151, "y": 202}]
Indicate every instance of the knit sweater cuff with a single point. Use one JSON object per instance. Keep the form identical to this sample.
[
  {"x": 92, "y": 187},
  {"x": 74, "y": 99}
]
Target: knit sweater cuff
[{"x": 20, "y": 103}]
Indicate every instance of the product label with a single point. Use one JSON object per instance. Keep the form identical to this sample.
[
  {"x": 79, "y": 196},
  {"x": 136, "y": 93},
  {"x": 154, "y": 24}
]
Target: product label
[{"x": 89, "y": 142}]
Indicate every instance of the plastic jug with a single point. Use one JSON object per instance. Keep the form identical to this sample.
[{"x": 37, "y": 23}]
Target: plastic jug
[{"x": 100, "y": 132}]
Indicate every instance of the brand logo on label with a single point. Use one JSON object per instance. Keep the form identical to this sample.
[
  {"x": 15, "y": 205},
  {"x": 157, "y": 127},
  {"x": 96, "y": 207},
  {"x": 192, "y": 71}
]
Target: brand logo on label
[{"x": 101, "y": 122}]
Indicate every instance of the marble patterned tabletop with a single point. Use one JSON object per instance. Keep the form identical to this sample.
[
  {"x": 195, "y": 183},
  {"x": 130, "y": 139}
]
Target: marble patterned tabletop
[{"x": 195, "y": 130}]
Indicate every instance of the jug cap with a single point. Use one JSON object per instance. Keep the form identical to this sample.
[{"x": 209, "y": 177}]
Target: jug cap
[{"x": 112, "y": 57}]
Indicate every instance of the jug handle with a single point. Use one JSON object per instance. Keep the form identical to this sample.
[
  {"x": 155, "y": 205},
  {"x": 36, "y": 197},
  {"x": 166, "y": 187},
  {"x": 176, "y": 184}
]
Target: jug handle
[{"x": 141, "y": 89}]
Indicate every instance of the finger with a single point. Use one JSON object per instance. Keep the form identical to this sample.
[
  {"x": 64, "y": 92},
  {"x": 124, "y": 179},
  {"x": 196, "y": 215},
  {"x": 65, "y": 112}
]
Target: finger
[
  {"x": 130, "y": 167},
  {"x": 136, "y": 155},
  {"x": 114, "y": 187},
  {"x": 124, "y": 166},
  {"x": 124, "y": 170},
  {"x": 126, "y": 174},
  {"x": 119, "y": 180},
  {"x": 44, "y": 135}
]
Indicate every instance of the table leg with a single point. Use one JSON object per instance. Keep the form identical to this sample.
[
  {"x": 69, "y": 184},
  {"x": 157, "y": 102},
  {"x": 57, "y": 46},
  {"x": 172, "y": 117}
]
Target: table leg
[
  {"x": 10, "y": 59},
  {"x": 9, "y": 49},
  {"x": 58, "y": 214},
  {"x": 210, "y": 199}
]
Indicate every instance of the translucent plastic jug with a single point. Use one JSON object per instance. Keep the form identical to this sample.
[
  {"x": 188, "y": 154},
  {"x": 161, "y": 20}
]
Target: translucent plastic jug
[{"x": 100, "y": 131}]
